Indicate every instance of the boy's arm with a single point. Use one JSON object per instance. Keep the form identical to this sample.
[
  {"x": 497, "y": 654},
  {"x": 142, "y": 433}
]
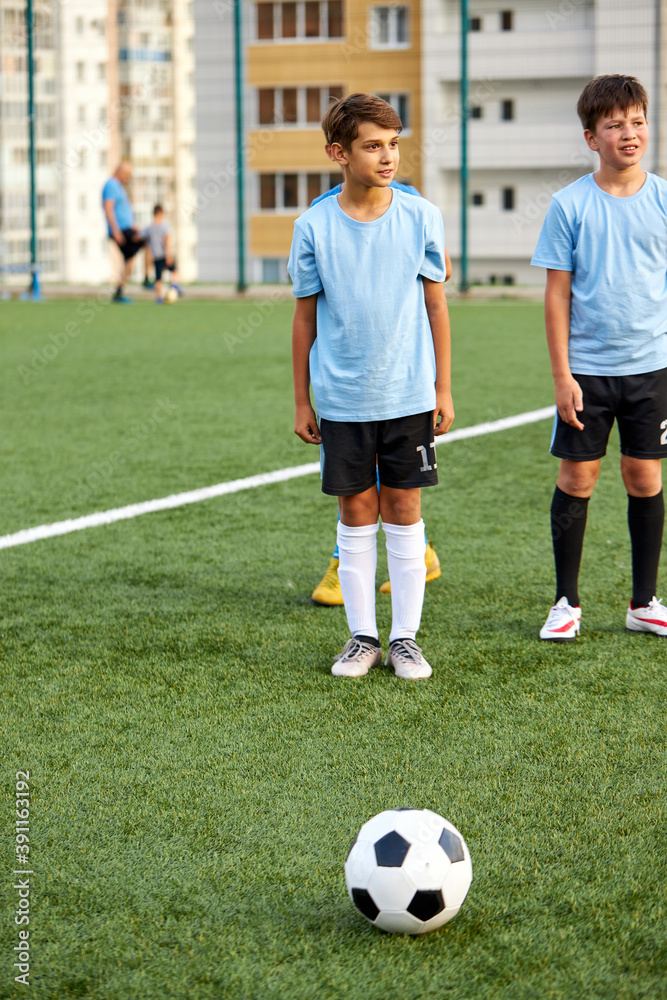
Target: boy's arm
[
  {"x": 438, "y": 317},
  {"x": 167, "y": 249},
  {"x": 304, "y": 331},
  {"x": 569, "y": 400}
]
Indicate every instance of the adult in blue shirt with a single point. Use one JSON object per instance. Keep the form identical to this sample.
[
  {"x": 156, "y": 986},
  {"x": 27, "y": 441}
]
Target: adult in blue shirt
[{"x": 120, "y": 223}]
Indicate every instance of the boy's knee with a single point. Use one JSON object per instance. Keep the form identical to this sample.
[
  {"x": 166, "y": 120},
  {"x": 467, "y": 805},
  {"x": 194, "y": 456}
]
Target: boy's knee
[
  {"x": 577, "y": 479},
  {"x": 641, "y": 477},
  {"x": 400, "y": 506},
  {"x": 360, "y": 509}
]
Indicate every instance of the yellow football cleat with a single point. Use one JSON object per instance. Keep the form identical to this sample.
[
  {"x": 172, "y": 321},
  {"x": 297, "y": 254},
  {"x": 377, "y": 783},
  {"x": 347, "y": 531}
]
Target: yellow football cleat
[
  {"x": 328, "y": 592},
  {"x": 433, "y": 570}
]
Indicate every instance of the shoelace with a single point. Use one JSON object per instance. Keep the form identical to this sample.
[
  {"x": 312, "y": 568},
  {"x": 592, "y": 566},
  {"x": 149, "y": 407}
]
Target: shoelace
[
  {"x": 656, "y": 604},
  {"x": 407, "y": 649},
  {"x": 356, "y": 646}
]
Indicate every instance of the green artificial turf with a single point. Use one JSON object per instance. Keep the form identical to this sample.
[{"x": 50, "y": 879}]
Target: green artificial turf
[{"x": 197, "y": 775}]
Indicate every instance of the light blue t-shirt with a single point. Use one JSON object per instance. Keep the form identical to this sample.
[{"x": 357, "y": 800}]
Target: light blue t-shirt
[
  {"x": 113, "y": 189},
  {"x": 408, "y": 188},
  {"x": 373, "y": 357},
  {"x": 616, "y": 249}
]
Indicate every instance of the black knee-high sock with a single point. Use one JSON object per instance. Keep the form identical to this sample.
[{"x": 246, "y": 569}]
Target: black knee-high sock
[
  {"x": 646, "y": 518},
  {"x": 568, "y": 524}
]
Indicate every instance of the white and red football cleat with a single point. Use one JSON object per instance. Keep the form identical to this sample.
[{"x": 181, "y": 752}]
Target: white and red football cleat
[
  {"x": 652, "y": 618},
  {"x": 563, "y": 622}
]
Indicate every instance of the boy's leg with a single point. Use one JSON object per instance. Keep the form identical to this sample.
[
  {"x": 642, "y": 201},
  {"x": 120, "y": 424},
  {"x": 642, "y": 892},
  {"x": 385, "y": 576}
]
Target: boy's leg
[
  {"x": 404, "y": 531},
  {"x": 357, "y": 553},
  {"x": 569, "y": 509},
  {"x": 646, "y": 517},
  {"x": 357, "y": 547}
]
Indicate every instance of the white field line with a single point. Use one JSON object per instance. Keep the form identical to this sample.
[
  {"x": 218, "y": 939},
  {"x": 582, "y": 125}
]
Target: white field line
[{"x": 236, "y": 486}]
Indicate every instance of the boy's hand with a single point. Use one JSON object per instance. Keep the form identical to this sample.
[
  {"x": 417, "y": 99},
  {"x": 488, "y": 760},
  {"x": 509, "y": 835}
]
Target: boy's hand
[
  {"x": 444, "y": 408},
  {"x": 569, "y": 401},
  {"x": 305, "y": 424}
]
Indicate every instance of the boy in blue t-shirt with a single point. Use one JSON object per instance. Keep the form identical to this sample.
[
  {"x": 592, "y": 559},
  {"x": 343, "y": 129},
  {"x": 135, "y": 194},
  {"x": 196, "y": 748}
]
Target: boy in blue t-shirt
[
  {"x": 604, "y": 244},
  {"x": 371, "y": 334},
  {"x": 327, "y": 592}
]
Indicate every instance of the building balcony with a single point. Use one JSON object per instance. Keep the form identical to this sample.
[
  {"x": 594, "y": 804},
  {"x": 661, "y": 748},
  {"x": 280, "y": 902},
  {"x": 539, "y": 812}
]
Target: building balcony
[
  {"x": 513, "y": 144},
  {"x": 517, "y": 55}
]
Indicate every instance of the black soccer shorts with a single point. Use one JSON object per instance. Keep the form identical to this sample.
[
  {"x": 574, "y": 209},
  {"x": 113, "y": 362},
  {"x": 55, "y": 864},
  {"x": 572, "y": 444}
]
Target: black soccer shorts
[
  {"x": 638, "y": 403},
  {"x": 404, "y": 446},
  {"x": 132, "y": 245}
]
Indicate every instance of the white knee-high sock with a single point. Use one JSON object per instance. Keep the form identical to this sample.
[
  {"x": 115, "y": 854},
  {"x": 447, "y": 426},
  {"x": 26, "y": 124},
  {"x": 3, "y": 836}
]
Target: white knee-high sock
[
  {"x": 357, "y": 551},
  {"x": 407, "y": 572}
]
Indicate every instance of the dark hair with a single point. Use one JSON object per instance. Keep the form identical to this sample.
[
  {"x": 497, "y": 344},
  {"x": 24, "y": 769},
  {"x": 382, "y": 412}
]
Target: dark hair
[
  {"x": 604, "y": 93},
  {"x": 341, "y": 121},
  {"x": 157, "y": 208}
]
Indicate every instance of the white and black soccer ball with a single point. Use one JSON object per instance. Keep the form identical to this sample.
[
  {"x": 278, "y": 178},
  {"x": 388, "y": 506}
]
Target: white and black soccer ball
[{"x": 408, "y": 871}]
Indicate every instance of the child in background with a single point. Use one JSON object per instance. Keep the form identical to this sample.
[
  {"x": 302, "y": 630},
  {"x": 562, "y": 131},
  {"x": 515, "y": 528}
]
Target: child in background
[{"x": 159, "y": 239}]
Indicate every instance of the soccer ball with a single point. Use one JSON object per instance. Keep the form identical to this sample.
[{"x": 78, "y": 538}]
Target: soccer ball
[
  {"x": 171, "y": 296},
  {"x": 408, "y": 871}
]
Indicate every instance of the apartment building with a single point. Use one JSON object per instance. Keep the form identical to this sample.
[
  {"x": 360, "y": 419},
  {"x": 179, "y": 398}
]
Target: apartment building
[
  {"x": 14, "y": 148},
  {"x": 298, "y": 56},
  {"x": 112, "y": 78},
  {"x": 155, "y": 45},
  {"x": 528, "y": 62}
]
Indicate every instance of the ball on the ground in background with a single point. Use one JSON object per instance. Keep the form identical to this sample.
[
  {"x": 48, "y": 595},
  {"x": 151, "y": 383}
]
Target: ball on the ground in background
[
  {"x": 408, "y": 871},
  {"x": 171, "y": 296}
]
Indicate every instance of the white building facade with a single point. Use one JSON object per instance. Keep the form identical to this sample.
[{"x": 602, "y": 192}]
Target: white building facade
[{"x": 527, "y": 64}]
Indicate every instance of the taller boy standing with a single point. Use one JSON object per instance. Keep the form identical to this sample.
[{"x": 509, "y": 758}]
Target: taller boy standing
[
  {"x": 371, "y": 333},
  {"x": 604, "y": 243}
]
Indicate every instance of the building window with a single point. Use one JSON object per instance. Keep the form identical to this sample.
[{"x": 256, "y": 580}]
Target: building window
[
  {"x": 290, "y": 112},
  {"x": 83, "y": 203},
  {"x": 293, "y": 192},
  {"x": 508, "y": 199},
  {"x": 477, "y": 198},
  {"x": 475, "y": 24},
  {"x": 81, "y": 114},
  {"x": 399, "y": 103},
  {"x": 264, "y": 20},
  {"x": 388, "y": 27},
  {"x": 266, "y": 99},
  {"x": 314, "y": 186},
  {"x": 83, "y": 247},
  {"x": 271, "y": 270},
  {"x": 267, "y": 191},
  {"x": 476, "y": 111},
  {"x": 80, "y": 72},
  {"x": 288, "y": 20},
  {"x": 313, "y": 105},
  {"x": 101, "y": 71},
  {"x": 290, "y": 190},
  {"x": 506, "y": 20},
  {"x": 300, "y": 106},
  {"x": 506, "y": 111},
  {"x": 302, "y": 19},
  {"x": 335, "y": 19},
  {"x": 79, "y": 25},
  {"x": 312, "y": 19}
]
